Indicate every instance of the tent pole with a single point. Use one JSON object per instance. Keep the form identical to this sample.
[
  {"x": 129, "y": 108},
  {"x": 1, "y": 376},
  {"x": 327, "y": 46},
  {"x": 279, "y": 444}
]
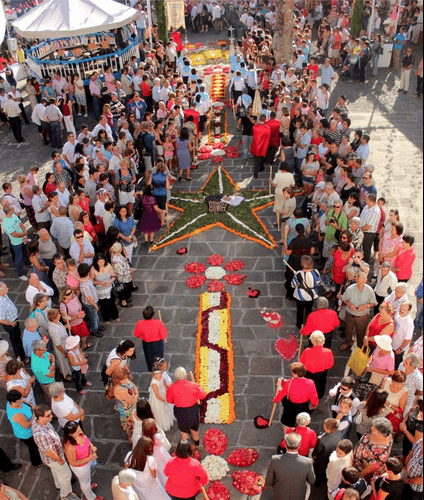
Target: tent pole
[
  {"x": 149, "y": 15},
  {"x": 371, "y": 21}
]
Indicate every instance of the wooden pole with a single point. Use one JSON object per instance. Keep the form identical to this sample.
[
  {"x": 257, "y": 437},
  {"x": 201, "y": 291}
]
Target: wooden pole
[
  {"x": 160, "y": 319},
  {"x": 300, "y": 347},
  {"x": 270, "y": 180},
  {"x": 274, "y": 409},
  {"x": 204, "y": 493},
  {"x": 290, "y": 267},
  {"x": 167, "y": 214}
]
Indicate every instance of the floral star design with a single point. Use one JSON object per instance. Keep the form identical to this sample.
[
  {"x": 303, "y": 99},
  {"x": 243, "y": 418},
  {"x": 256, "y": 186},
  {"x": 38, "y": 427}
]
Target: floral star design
[{"x": 196, "y": 218}]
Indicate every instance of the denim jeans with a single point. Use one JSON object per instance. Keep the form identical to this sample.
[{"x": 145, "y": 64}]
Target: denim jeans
[
  {"x": 375, "y": 59},
  {"x": 96, "y": 106},
  {"x": 20, "y": 254},
  {"x": 93, "y": 318},
  {"x": 247, "y": 144},
  {"x": 141, "y": 35},
  {"x": 55, "y": 134}
]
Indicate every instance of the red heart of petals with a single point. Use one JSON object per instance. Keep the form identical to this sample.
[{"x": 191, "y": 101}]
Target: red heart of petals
[{"x": 287, "y": 348}]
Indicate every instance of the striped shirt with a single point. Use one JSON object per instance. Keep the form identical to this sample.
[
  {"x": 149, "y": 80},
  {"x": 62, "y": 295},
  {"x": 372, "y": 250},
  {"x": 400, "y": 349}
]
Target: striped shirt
[
  {"x": 370, "y": 216},
  {"x": 8, "y": 310},
  {"x": 11, "y": 108},
  {"x": 47, "y": 439}
]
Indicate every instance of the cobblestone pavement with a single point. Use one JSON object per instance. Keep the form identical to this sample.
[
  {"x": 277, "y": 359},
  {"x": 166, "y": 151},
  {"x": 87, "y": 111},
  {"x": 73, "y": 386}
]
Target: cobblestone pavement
[{"x": 395, "y": 124}]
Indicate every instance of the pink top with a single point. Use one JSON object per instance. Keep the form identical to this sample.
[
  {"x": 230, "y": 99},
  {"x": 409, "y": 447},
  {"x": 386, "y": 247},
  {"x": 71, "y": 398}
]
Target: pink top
[
  {"x": 386, "y": 362},
  {"x": 72, "y": 282},
  {"x": 82, "y": 451}
]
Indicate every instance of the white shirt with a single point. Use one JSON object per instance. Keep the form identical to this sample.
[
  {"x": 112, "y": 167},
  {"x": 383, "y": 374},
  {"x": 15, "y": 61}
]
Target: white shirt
[
  {"x": 69, "y": 151},
  {"x": 3, "y": 100},
  {"x": 64, "y": 197},
  {"x": 99, "y": 127},
  {"x": 397, "y": 303},
  {"x": 114, "y": 163},
  {"x": 63, "y": 408},
  {"x": 323, "y": 99},
  {"x": 32, "y": 291},
  {"x": 383, "y": 284},
  {"x": 12, "y": 200},
  {"x": 137, "y": 82},
  {"x": 75, "y": 251},
  {"x": 404, "y": 330},
  {"x": 38, "y": 205},
  {"x": 119, "y": 493},
  {"x": 38, "y": 113}
]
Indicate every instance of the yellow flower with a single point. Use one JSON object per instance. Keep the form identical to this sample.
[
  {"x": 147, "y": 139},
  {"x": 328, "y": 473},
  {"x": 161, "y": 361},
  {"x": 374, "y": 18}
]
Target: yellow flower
[
  {"x": 213, "y": 54},
  {"x": 197, "y": 60},
  {"x": 227, "y": 55},
  {"x": 203, "y": 382}
]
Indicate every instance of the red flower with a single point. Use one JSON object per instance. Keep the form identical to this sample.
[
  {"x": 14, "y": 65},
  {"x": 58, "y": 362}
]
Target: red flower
[
  {"x": 243, "y": 457},
  {"x": 217, "y": 491},
  {"x": 234, "y": 265},
  {"x": 208, "y": 71},
  {"x": 196, "y": 281},
  {"x": 216, "y": 260},
  {"x": 199, "y": 45},
  {"x": 235, "y": 279},
  {"x": 218, "y": 159},
  {"x": 215, "y": 442},
  {"x": 205, "y": 149},
  {"x": 216, "y": 286},
  {"x": 218, "y": 145},
  {"x": 195, "y": 267},
  {"x": 204, "y": 156},
  {"x": 248, "y": 482},
  {"x": 226, "y": 69}
]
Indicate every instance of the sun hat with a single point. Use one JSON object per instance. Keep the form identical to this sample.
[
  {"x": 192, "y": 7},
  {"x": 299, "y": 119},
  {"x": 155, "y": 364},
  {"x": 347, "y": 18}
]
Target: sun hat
[
  {"x": 4, "y": 347},
  {"x": 384, "y": 342},
  {"x": 116, "y": 247},
  {"x": 320, "y": 185},
  {"x": 72, "y": 342}
]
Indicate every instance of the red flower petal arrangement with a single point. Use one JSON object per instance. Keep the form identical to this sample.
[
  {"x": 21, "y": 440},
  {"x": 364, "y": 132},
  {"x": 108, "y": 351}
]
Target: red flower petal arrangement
[
  {"x": 244, "y": 457},
  {"x": 261, "y": 422},
  {"x": 204, "y": 156},
  {"x": 273, "y": 318},
  {"x": 235, "y": 279},
  {"x": 253, "y": 293},
  {"x": 234, "y": 265},
  {"x": 195, "y": 268},
  {"x": 199, "y": 45},
  {"x": 218, "y": 159},
  {"x": 232, "y": 152},
  {"x": 217, "y": 491},
  {"x": 287, "y": 348},
  {"x": 216, "y": 260},
  {"x": 218, "y": 145},
  {"x": 248, "y": 482},
  {"x": 215, "y": 286},
  {"x": 208, "y": 71},
  {"x": 196, "y": 281},
  {"x": 229, "y": 104},
  {"x": 205, "y": 149},
  {"x": 226, "y": 69},
  {"x": 182, "y": 251},
  {"x": 215, "y": 441}
]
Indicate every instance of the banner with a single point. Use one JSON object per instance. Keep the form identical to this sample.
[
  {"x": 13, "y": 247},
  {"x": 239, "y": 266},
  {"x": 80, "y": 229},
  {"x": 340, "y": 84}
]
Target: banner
[
  {"x": 175, "y": 14},
  {"x": 2, "y": 22}
]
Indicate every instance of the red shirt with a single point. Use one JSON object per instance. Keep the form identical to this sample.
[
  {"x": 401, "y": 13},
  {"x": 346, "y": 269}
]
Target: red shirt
[
  {"x": 150, "y": 330},
  {"x": 85, "y": 205},
  {"x": 184, "y": 394},
  {"x": 275, "y": 140},
  {"x": 338, "y": 275},
  {"x": 324, "y": 320},
  {"x": 184, "y": 476},
  {"x": 301, "y": 391},
  {"x": 317, "y": 359},
  {"x": 313, "y": 70},
  {"x": 146, "y": 89},
  {"x": 404, "y": 262},
  {"x": 309, "y": 439},
  {"x": 49, "y": 188},
  {"x": 176, "y": 36},
  {"x": 195, "y": 114},
  {"x": 261, "y": 140},
  {"x": 374, "y": 328},
  {"x": 317, "y": 141}
]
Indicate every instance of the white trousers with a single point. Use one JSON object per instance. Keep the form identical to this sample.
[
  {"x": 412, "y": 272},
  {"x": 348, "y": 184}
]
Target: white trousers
[
  {"x": 70, "y": 127},
  {"x": 84, "y": 477},
  {"x": 62, "y": 478},
  {"x": 404, "y": 79}
]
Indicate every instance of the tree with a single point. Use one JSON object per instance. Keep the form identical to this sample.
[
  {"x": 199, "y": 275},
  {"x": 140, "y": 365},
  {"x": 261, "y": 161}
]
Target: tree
[
  {"x": 284, "y": 43},
  {"x": 357, "y": 17},
  {"x": 161, "y": 20}
]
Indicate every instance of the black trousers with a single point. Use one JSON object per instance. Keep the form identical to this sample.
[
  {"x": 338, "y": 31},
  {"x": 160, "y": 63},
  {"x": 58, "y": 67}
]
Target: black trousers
[
  {"x": 108, "y": 308},
  {"x": 34, "y": 454},
  {"x": 16, "y": 340},
  {"x": 125, "y": 294},
  {"x": 151, "y": 351},
  {"x": 6, "y": 464},
  {"x": 368, "y": 246},
  {"x": 79, "y": 379},
  {"x": 259, "y": 164},
  {"x": 304, "y": 309},
  {"x": 16, "y": 126}
]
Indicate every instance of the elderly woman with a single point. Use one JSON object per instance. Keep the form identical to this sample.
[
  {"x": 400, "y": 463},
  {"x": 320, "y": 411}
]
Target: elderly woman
[
  {"x": 373, "y": 450},
  {"x": 382, "y": 324},
  {"x": 323, "y": 319},
  {"x": 391, "y": 244},
  {"x": 309, "y": 437},
  {"x": 397, "y": 398},
  {"x": 297, "y": 394},
  {"x": 152, "y": 332},
  {"x": 58, "y": 335},
  {"x": 386, "y": 283},
  {"x": 122, "y": 485},
  {"x": 4, "y": 359},
  {"x": 65, "y": 409},
  {"x": 184, "y": 395},
  {"x": 43, "y": 367},
  {"x": 126, "y": 394},
  {"x": 72, "y": 314},
  {"x": 184, "y": 473},
  {"x": 39, "y": 310},
  {"x": 125, "y": 223},
  {"x": 80, "y": 454},
  {"x": 317, "y": 360},
  {"x": 374, "y": 406},
  {"x": 122, "y": 270},
  {"x": 30, "y": 334},
  {"x": 21, "y": 417},
  {"x": 17, "y": 379}
]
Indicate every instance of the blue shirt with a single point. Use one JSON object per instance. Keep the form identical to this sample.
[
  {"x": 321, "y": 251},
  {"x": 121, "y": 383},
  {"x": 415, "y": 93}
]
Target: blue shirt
[
  {"x": 399, "y": 41},
  {"x": 19, "y": 431},
  {"x": 326, "y": 75},
  {"x": 27, "y": 340},
  {"x": 125, "y": 228},
  {"x": 419, "y": 290},
  {"x": 159, "y": 184},
  {"x": 40, "y": 368}
]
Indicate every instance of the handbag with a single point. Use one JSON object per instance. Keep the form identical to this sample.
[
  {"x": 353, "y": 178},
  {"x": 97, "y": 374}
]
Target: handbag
[
  {"x": 358, "y": 362},
  {"x": 117, "y": 286}
]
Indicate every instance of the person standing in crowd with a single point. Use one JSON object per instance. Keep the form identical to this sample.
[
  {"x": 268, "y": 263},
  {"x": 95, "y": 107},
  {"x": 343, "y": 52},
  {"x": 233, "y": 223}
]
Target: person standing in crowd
[
  {"x": 9, "y": 318},
  {"x": 260, "y": 144},
  {"x": 122, "y": 485}
]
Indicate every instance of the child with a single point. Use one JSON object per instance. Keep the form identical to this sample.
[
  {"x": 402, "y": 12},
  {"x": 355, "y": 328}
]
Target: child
[
  {"x": 339, "y": 459},
  {"x": 142, "y": 411},
  {"x": 344, "y": 416},
  {"x": 157, "y": 398},
  {"x": 344, "y": 389},
  {"x": 73, "y": 278},
  {"x": 327, "y": 282},
  {"x": 391, "y": 484},
  {"x": 320, "y": 175},
  {"x": 351, "y": 479},
  {"x": 168, "y": 148},
  {"x": 160, "y": 451},
  {"x": 78, "y": 362},
  {"x": 90, "y": 301},
  {"x": 164, "y": 367}
]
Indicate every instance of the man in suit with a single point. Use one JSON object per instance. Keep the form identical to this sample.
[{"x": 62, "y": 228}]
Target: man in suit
[
  {"x": 289, "y": 474},
  {"x": 327, "y": 443}
]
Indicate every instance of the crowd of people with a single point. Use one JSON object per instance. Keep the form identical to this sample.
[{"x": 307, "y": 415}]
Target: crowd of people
[{"x": 347, "y": 261}]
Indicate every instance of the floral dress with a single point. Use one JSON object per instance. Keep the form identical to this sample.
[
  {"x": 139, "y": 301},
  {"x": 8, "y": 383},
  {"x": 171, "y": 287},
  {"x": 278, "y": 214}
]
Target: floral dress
[
  {"x": 125, "y": 410},
  {"x": 327, "y": 282},
  {"x": 367, "y": 453},
  {"x": 389, "y": 245}
]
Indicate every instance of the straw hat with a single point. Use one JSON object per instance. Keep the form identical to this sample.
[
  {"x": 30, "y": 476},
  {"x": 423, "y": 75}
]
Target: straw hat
[
  {"x": 4, "y": 347},
  {"x": 384, "y": 342},
  {"x": 72, "y": 342}
]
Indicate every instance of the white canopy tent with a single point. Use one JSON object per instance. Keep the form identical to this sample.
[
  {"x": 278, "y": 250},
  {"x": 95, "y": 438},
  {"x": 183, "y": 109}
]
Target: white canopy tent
[{"x": 67, "y": 18}]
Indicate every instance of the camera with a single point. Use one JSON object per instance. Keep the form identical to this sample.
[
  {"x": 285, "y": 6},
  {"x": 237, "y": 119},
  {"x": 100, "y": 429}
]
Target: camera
[{"x": 332, "y": 220}]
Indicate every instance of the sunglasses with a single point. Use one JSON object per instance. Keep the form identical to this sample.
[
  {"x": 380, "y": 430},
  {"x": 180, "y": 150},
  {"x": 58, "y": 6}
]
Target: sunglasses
[
  {"x": 78, "y": 237},
  {"x": 67, "y": 294},
  {"x": 337, "y": 206}
]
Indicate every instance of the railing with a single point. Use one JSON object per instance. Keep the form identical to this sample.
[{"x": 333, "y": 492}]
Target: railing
[{"x": 41, "y": 67}]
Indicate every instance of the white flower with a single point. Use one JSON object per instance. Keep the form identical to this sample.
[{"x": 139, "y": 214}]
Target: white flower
[
  {"x": 213, "y": 412},
  {"x": 214, "y": 299},
  {"x": 214, "y": 331},
  {"x": 214, "y": 363},
  {"x": 216, "y": 467},
  {"x": 215, "y": 273}
]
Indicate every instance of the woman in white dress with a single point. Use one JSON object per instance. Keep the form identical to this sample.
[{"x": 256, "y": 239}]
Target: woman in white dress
[
  {"x": 163, "y": 411},
  {"x": 160, "y": 448},
  {"x": 58, "y": 335},
  {"x": 142, "y": 462},
  {"x": 18, "y": 379}
]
